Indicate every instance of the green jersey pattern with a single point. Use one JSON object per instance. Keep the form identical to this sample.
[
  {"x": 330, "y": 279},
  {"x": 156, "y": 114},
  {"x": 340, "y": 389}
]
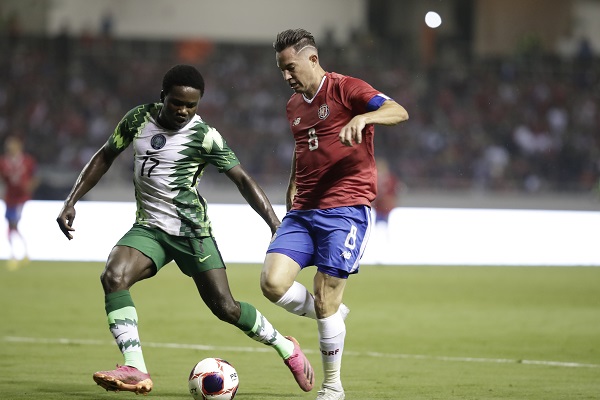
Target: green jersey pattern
[{"x": 167, "y": 168}]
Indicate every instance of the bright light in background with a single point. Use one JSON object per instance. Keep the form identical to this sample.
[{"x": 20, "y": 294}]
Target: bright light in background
[
  {"x": 414, "y": 236},
  {"x": 433, "y": 19}
]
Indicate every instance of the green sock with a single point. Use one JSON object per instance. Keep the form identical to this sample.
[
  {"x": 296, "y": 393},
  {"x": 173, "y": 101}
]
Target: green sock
[
  {"x": 256, "y": 326},
  {"x": 123, "y": 324}
]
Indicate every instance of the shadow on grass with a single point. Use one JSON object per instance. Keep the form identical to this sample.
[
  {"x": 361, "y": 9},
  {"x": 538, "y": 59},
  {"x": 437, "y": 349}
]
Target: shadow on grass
[{"x": 87, "y": 391}]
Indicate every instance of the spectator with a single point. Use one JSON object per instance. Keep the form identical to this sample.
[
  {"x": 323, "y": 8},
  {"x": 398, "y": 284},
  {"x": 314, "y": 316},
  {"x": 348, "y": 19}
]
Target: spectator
[
  {"x": 18, "y": 172},
  {"x": 543, "y": 114}
]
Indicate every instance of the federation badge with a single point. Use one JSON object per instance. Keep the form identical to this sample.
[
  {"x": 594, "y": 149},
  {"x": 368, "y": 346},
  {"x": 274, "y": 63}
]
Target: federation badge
[
  {"x": 323, "y": 111},
  {"x": 158, "y": 141}
]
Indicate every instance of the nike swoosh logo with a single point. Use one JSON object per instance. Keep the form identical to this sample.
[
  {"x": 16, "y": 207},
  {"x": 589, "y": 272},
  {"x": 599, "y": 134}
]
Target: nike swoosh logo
[{"x": 202, "y": 259}]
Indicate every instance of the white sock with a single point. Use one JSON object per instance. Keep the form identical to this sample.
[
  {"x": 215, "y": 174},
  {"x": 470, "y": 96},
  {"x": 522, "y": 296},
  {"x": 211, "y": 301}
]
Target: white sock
[
  {"x": 298, "y": 300},
  {"x": 332, "y": 332},
  {"x": 123, "y": 324}
]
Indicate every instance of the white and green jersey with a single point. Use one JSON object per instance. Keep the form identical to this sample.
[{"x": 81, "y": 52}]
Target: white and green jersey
[{"x": 167, "y": 166}]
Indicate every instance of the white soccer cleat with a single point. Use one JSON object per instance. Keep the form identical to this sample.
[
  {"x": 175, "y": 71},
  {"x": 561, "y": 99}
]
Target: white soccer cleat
[{"x": 330, "y": 394}]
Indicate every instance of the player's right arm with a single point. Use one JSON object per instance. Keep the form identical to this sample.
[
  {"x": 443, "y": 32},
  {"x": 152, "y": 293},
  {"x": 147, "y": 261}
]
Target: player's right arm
[{"x": 90, "y": 175}]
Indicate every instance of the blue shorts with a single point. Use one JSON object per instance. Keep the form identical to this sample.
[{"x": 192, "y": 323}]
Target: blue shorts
[
  {"x": 333, "y": 239},
  {"x": 13, "y": 214}
]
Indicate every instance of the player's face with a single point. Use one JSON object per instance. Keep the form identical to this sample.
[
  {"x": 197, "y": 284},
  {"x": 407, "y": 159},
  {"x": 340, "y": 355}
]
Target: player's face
[
  {"x": 13, "y": 146},
  {"x": 298, "y": 69},
  {"x": 179, "y": 108}
]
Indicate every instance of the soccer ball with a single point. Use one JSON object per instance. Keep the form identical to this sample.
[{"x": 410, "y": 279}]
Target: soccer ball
[{"x": 213, "y": 378}]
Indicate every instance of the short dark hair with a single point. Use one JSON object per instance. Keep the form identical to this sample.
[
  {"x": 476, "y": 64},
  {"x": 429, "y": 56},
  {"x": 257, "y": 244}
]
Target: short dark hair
[
  {"x": 296, "y": 38},
  {"x": 183, "y": 75}
]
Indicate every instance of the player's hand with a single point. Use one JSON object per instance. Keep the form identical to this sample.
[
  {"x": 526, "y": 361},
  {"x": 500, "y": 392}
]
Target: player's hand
[
  {"x": 352, "y": 132},
  {"x": 65, "y": 220}
]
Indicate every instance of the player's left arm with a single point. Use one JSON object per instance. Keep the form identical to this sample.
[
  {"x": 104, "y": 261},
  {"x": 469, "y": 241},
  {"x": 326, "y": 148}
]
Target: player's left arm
[
  {"x": 388, "y": 113},
  {"x": 254, "y": 195}
]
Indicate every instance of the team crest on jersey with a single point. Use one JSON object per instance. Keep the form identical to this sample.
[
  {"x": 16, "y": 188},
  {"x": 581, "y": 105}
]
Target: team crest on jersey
[
  {"x": 296, "y": 121},
  {"x": 323, "y": 111},
  {"x": 158, "y": 141}
]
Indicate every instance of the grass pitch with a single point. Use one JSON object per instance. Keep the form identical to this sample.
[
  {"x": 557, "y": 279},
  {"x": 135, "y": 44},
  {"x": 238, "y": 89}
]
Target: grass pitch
[{"x": 413, "y": 333}]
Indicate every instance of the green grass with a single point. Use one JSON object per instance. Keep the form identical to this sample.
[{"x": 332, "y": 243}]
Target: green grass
[{"x": 413, "y": 333}]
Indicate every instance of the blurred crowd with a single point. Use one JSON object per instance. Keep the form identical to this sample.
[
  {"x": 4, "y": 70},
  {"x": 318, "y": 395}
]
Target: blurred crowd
[{"x": 525, "y": 123}]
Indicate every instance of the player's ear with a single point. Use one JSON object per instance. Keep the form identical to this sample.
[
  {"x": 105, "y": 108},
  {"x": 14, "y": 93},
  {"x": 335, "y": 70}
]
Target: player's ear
[{"x": 162, "y": 96}]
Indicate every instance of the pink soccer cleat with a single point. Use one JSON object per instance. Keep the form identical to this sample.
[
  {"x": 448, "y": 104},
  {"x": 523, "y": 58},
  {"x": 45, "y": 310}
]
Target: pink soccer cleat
[
  {"x": 124, "y": 378},
  {"x": 300, "y": 367}
]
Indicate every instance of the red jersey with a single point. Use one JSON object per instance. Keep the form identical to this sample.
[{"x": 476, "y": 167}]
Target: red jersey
[
  {"x": 329, "y": 174},
  {"x": 17, "y": 174}
]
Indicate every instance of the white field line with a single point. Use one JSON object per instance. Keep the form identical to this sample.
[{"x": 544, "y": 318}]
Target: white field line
[{"x": 90, "y": 342}]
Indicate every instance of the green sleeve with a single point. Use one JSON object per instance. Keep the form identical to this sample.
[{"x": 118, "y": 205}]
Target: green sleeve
[
  {"x": 129, "y": 126},
  {"x": 214, "y": 149}
]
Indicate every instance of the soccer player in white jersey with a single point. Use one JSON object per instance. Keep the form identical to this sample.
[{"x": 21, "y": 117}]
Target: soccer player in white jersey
[{"x": 172, "y": 146}]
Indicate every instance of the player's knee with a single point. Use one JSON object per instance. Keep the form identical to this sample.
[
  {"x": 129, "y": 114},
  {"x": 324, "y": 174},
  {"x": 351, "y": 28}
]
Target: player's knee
[
  {"x": 109, "y": 281},
  {"x": 271, "y": 289},
  {"x": 114, "y": 280}
]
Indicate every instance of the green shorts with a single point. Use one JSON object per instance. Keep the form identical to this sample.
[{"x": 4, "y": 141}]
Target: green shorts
[{"x": 192, "y": 255}]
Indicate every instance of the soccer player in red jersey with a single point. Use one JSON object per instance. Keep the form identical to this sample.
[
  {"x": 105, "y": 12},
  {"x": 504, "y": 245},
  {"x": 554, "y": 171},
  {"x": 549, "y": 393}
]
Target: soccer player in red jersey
[
  {"x": 18, "y": 172},
  {"x": 332, "y": 184}
]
